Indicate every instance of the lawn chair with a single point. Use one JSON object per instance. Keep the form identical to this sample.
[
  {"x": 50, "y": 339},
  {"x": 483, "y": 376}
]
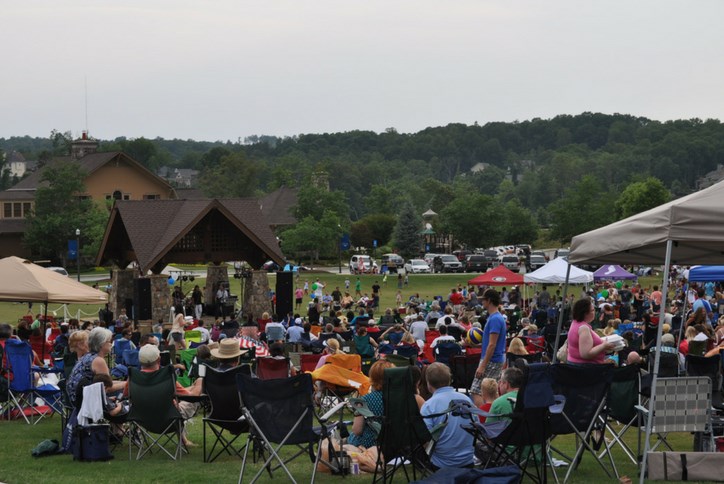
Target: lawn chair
[
  {"x": 130, "y": 358},
  {"x": 529, "y": 358},
  {"x": 119, "y": 346},
  {"x": 342, "y": 376},
  {"x": 280, "y": 412},
  {"x": 585, "y": 388},
  {"x": 192, "y": 336},
  {"x": 711, "y": 367},
  {"x": 308, "y": 361},
  {"x": 271, "y": 367},
  {"x": 519, "y": 439},
  {"x": 225, "y": 416},
  {"x": 403, "y": 434},
  {"x": 463, "y": 369},
  {"x": 682, "y": 404},
  {"x": 153, "y": 412},
  {"x": 22, "y": 391},
  {"x": 624, "y": 397},
  {"x": 188, "y": 358},
  {"x": 446, "y": 350}
]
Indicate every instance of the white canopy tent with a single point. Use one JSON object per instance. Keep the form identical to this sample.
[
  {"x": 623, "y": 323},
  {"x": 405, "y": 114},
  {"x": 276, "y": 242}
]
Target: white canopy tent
[
  {"x": 685, "y": 231},
  {"x": 554, "y": 272}
]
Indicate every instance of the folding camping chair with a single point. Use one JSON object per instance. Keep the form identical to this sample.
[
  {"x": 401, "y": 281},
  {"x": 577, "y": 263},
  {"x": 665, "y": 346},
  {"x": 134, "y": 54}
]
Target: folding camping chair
[
  {"x": 342, "y": 376},
  {"x": 153, "y": 412},
  {"x": 308, "y": 361},
  {"x": 624, "y": 397},
  {"x": 281, "y": 412},
  {"x": 119, "y": 346},
  {"x": 446, "y": 350},
  {"x": 225, "y": 416},
  {"x": 682, "y": 404},
  {"x": 529, "y": 358},
  {"x": 192, "y": 336},
  {"x": 270, "y": 367},
  {"x": 463, "y": 369},
  {"x": 711, "y": 367},
  {"x": 403, "y": 434},
  {"x": 518, "y": 439},
  {"x": 22, "y": 391},
  {"x": 585, "y": 388},
  {"x": 188, "y": 358}
]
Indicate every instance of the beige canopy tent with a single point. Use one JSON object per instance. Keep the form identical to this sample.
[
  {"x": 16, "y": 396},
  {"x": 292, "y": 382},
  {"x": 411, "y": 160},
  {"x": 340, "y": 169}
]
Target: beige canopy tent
[
  {"x": 692, "y": 223},
  {"x": 684, "y": 231},
  {"x": 23, "y": 281}
]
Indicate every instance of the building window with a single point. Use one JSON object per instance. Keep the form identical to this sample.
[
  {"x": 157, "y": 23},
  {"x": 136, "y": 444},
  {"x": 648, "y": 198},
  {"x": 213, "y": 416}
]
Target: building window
[
  {"x": 27, "y": 208},
  {"x": 84, "y": 197},
  {"x": 117, "y": 195},
  {"x": 8, "y": 210},
  {"x": 153, "y": 196},
  {"x": 126, "y": 196},
  {"x": 17, "y": 210}
]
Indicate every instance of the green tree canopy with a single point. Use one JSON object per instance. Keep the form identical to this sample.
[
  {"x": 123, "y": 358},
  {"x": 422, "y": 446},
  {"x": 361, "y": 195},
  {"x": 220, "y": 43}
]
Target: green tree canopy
[
  {"x": 473, "y": 219},
  {"x": 585, "y": 206},
  {"x": 234, "y": 175},
  {"x": 378, "y": 227},
  {"x": 313, "y": 202},
  {"x": 313, "y": 238},
  {"x": 59, "y": 212},
  {"x": 407, "y": 231},
  {"x": 641, "y": 196}
]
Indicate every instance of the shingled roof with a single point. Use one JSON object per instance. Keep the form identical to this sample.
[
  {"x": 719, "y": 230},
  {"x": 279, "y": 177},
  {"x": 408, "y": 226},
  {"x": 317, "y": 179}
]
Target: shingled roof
[
  {"x": 156, "y": 232},
  {"x": 277, "y": 206},
  {"x": 88, "y": 164}
]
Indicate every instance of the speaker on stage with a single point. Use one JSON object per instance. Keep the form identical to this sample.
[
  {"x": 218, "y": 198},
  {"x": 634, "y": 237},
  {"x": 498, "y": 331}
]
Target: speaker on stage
[
  {"x": 142, "y": 299},
  {"x": 285, "y": 293}
]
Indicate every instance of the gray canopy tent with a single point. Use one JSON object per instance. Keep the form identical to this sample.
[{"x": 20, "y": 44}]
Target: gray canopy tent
[{"x": 685, "y": 231}]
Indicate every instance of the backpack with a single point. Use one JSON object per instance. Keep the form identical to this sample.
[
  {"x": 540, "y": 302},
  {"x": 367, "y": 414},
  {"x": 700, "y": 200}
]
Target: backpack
[{"x": 91, "y": 443}]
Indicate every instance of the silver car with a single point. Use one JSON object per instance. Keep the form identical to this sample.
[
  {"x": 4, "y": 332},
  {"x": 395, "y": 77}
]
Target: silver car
[{"x": 417, "y": 266}]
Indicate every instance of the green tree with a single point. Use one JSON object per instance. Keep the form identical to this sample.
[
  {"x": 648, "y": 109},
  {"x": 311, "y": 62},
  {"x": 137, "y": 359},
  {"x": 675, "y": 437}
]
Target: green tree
[
  {"x": 407, "y": 231},
  {"x": 585, "y": 206},
  {"x": 61, "y": 142},
  {"x": 313, "y": 238},
  {"x": 234, "y": 175},
  {"x": 313, "y": 202},
  {"x": 473, "y": 220},
  {"x": 519, "y": 225},
  {"x": 59, "y": 211},
  {"x": 641, "y": 196},
  {"x": 377, "y": 226}
]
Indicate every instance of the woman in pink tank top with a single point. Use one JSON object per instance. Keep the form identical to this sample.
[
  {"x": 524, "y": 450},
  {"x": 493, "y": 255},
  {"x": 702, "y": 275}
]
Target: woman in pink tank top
[{"x": 584, "y": 345}]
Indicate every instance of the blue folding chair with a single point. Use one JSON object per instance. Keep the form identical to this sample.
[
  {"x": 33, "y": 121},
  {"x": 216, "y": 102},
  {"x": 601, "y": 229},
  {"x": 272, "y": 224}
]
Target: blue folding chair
[
  {"x": 22, "y": 392},
  {"x": 119, "y": 346},
  {"x": 130, "y": 358}
]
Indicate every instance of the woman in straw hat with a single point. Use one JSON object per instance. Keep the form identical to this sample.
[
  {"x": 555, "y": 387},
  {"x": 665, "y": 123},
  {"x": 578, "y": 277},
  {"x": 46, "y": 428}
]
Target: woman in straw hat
[{"x": 227, "y": 353}]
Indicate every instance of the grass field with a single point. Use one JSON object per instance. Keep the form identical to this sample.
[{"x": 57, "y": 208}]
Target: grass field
[
  {"x": 17, "y": 466},
  {"x": 427, "y": 285}
]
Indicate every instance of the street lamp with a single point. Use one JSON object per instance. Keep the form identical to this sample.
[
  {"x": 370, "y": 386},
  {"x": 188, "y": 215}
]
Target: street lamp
[{"x": 77, "y": 250}]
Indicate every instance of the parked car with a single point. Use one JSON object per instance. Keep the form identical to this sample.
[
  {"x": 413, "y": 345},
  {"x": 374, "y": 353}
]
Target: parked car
[
  {"x": 562, "y": 253},
  {"x": 362, "y": 264},
  {"x": 511, "y": 262},
  {"x": 476, "y": 263},
  {"x": 393, "y": 262},
  {"x": 461, "y": 254},
  {"x": 536, "y": 262},
  {"x": 540, "y": 253},
  {"x": 417, "y": 266},
  {"x": 59, "y": 270},
  {"x": 446, "y": 263},
  {"x": 429, "y": 257},
  {"x": 491, "y": 257}
]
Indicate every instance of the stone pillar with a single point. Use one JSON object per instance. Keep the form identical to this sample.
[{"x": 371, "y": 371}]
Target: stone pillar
[
  {"x": 161, "y": 300},
  {"x": 214, "y": 275},
  {"x": 256, "y": 294},
  {"x": 121, "y": 290}
]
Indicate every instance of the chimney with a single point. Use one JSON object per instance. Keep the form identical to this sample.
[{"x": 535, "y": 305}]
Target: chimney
[{"x": 82, "y": 147}]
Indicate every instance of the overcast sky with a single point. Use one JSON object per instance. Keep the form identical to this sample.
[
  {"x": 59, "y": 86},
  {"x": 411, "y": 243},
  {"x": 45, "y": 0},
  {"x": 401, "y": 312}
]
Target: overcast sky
[{"x": 218, "y": 69}]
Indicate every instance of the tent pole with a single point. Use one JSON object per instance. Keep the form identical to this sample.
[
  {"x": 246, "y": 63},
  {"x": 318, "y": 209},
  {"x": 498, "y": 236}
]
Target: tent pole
[
  {"x": 657, "y": 360},
  {"x": 683, "y": 310},
  {"x": 560, "y": 316},
  {"x": 45, "y": 322}
]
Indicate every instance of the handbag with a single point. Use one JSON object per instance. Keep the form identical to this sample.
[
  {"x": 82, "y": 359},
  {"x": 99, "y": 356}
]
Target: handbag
[{"x": 90, "y": 443}]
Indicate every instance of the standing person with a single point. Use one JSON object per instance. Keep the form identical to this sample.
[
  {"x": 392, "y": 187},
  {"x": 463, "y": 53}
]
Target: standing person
[
  {"x": 358, "y": 288},
  {"x": 399, "y": 280},
  {"x": 298, "y": 296},
  {"x": 198, "y": 299},
  {"x": 584, "y": 345},
  {"x": 544, "y": 299},
  {"x": 376, "y": 294},
  {"x": 346, "y": 284},
  {"x": 493, "y": 355}
]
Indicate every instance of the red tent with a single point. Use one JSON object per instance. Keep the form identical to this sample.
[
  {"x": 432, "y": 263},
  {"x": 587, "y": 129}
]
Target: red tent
[{"x": 500, "y": 276}]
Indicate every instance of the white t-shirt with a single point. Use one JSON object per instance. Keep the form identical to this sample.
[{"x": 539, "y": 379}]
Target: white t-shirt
[{"x": 418, "y": 329}]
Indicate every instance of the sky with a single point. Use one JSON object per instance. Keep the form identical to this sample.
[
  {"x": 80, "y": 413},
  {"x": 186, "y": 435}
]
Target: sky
[{"x": 226, "y": 69}]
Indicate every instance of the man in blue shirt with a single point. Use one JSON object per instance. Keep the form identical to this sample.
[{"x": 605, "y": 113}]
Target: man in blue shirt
[
  {"x": 454, "y": 446},
  {"x": 701, "y": 302},
  {"x": 493, "y": 354}
]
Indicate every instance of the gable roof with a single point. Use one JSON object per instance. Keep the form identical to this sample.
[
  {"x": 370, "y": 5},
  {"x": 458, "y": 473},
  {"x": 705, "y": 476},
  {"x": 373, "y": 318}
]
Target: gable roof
[
  {"x": 89, "y": 163},
  {"x": 153, "y": 227},
  {"x": 277, "y": 206}
]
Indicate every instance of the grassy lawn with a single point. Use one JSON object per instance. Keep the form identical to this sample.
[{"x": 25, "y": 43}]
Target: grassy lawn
[{"x": 17, "y": 465}]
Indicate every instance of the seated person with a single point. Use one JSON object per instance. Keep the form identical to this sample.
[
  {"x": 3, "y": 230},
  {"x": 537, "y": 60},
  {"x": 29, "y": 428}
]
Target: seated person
[
  {"x": 510, "y": 382},
  {"x": 113, "y": 407},
  {"x": 227, "y": 354},
  {"x": 276, "y": 350},
  {"x": 443, "y": 337},
  {"x": 489, "y": 391},
  {"x": 362, "y": 435},
  {"x": 454, "y": 447}
]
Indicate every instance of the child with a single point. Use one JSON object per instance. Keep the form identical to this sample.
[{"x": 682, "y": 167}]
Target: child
[
  {"x": 112, "y": 408},
  {"x": 489, "y": 389}
]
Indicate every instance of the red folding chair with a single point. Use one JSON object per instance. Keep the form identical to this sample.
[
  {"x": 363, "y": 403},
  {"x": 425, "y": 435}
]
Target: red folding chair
[
  {"x": 270, "y": 367},
  {"x": 308, "y": 361}
]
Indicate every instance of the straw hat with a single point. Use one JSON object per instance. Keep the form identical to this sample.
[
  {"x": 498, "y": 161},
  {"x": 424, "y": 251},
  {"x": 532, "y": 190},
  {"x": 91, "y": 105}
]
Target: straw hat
[{"x": 228, "y": 348}]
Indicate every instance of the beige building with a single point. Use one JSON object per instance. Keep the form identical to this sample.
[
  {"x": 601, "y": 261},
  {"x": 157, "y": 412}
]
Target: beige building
[{"x": 110, "y": 176}]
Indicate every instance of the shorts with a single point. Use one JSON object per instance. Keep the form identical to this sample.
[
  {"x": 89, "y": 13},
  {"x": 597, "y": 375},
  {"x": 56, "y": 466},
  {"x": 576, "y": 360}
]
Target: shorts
[
  {"x": 493, "y": 370},
  {"x": 177, "y": 337},
  {"x": 299, "y": 301}
]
